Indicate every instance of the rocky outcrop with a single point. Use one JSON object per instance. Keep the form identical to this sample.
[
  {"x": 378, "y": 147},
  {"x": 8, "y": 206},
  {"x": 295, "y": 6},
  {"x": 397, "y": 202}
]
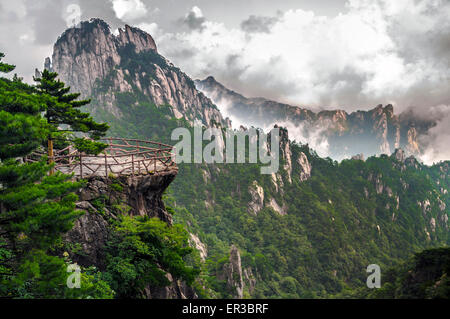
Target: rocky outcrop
[
  {"x": 282, "y": 210},
  {"x": 83, "y": 55},
  {"x": 232, "y": 274},
  {"x": 90, "y": 231},
  {"x": 399, "y": 155},
  {"x": 136, "y": 196},
  {"x": 286, "y": 153},
  {"x": 379, "y": 187},
  {"x": 413, "y": 145},
  {"x": 412, "y": 162},
  {"x": 426, "y": 206},
  {"x": 103, "y": 200},
  {"x": 97, "y": 63},
  {"x": 305, "y": 167},
  {"x": 358, "y": 157},
  {"x": 201, "y": 247},
  {"x": 257, "y": 198},
  {"x": 376, "y": 131},
  {"x": 249, "y": 280},
  {"x": 142, "y": 194},
  {"x": 176, "y": 290}
]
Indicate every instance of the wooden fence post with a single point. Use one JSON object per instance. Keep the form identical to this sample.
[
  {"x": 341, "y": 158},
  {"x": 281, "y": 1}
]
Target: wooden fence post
[
  {"x": 81, "y": 165},
  {"x": 106, "y": 166},
  {"x": 139, "y": 162}
]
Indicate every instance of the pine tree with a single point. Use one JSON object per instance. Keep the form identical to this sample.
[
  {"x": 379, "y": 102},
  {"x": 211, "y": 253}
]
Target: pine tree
[
  {"x": 64, "y": 116},
  {"x": 35, "y": 209}
]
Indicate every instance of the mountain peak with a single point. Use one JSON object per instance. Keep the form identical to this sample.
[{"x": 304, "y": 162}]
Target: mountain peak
[
  {"x": 210, "y": 82},
  {"x": 141, "y": 39},
  {"x": 98, "y": 63},
  {"x": 87, "y": 34},
  {"x": 90, "y": 50},
  {"x": 210, "y": 79}
]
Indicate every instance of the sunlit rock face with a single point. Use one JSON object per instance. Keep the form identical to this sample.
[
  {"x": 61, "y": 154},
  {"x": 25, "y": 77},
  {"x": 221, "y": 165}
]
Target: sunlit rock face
[
  {"x": 97, "y": 63},
  {"x": 257, "y": 198}
]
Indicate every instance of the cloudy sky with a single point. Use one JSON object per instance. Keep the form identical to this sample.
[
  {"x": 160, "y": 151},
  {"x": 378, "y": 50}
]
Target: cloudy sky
[
  {"x": 325, "y": 53},
  {"x": 348, "y": 54}
]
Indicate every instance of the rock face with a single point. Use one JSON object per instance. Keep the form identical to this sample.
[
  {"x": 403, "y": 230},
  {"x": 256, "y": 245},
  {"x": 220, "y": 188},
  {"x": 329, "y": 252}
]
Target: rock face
[
  {"x": 232, "y": 273},
  {"x": 138, "y": 195},
  {"x": 142, "y": 194},
  {"x": 91, "y": 232},
  {"x": 257, "y": 198},
  {"x": 358, "y": 157},
  {"x": 177, "y": 290},
  {"x": 201, "y": 247},
  {"x": 236, "y": 277},
  {"x": 98, "y": 64},
  {"x": 274, "y": 205},
  {"x": 305, "y": 167},
  {"x": 399, "y": 155},
  {"x": 288, "y": 158},
  {"x": 286, "y": 153},
  {"x": 376, "y": 131}
]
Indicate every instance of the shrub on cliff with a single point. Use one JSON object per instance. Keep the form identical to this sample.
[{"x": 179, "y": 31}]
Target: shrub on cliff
[{"x": 142, "y": 251}]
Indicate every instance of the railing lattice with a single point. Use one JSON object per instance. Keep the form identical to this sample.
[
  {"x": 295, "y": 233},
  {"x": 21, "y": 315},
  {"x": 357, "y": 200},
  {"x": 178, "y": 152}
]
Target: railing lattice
[{"x": 121, "y": 157}]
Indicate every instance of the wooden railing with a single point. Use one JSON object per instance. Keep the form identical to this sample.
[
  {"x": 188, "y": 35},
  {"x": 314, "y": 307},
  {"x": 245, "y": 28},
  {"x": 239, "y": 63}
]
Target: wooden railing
[{"x": 121, "y": 157}]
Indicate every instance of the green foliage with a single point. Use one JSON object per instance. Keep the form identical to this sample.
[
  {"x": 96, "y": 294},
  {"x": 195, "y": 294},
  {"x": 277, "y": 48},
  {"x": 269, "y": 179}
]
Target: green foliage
[
  {"x": 142, "y": 251},
  {"x": 88, "y": 146},
  {"x": 423, "y": 276},
  {"x": 35, "y": 209},
  {"x": 65, "y": 110},
  {"x": 43, "y": 276}
]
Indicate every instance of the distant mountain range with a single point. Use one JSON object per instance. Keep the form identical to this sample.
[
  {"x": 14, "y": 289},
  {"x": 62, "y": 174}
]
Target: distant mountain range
[
  {"x": 91, "y": 55},
  {"x": 377, "y": 131}
]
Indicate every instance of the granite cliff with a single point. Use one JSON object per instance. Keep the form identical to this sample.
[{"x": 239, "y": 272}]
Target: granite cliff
[
  {"x": 103, "y": 200},
  {"x": 99, "y": 64}
]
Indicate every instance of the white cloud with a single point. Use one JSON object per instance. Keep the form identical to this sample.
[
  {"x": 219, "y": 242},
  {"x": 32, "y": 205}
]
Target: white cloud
[
  {"x": 374, "y": 53},
  {"x": 129, "y": 10},
  {"x": 18, "y": 39},
  {"x": 150, "y": 28},
  {"x": 194, "y": 19},
  {"x": 377, "y": 52},
  {"x": 72, "y": 15},
  {"x": 437, "y": 140},
  {"x": 197, "y": 12}
]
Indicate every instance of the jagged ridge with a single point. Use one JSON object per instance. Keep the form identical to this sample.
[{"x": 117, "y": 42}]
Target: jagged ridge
[
  {"x": 377, "y": 131},
  {"x": 99, "y": 64}
]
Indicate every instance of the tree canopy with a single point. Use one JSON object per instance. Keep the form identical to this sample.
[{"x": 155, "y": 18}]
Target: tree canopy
[{"x": 64, "y": 116}]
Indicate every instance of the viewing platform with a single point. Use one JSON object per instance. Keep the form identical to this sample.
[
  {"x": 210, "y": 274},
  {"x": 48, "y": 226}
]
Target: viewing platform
[{"x": 129, "y": 157}]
